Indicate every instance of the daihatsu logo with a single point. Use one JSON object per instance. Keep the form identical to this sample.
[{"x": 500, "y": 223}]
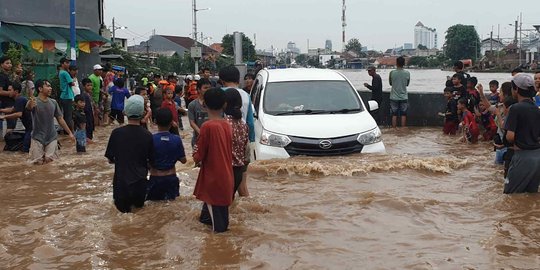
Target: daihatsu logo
[{"x": 325, "y": 144}]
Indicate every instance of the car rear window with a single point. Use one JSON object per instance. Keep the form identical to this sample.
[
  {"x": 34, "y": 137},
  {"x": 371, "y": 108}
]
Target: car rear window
[{"x": 320, "y": 96}]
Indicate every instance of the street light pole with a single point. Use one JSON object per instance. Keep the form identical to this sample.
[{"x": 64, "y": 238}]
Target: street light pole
[
  {"x": 113, "y": 32},
  {"x": 72, "y": 32}
]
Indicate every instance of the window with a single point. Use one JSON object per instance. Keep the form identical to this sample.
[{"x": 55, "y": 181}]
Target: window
[{"x": 320, "y": 96}]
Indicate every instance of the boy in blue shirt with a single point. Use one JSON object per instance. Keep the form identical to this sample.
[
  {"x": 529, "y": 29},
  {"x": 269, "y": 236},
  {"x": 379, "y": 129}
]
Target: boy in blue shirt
[
  {"x": 119, "y": 93},
  {"x": 168, "y": 149}
]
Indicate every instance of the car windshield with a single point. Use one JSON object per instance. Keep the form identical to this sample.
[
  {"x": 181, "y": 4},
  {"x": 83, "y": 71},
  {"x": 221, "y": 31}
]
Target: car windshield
[{"x": 310, "y": 97}]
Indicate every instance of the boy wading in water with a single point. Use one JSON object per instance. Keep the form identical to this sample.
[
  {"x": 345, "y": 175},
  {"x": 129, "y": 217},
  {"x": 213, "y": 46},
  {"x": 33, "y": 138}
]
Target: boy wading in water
[
  {"x": 131, "y": 149},
  {"x": 79, "y": 120},
  {"x": 215, "y": 183},
  {"x": 168, "y": 148},
  {"x": 44, "y": 144}
]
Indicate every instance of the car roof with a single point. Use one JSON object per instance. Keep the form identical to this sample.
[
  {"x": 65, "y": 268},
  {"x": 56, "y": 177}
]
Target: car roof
[{"x": 303, "y": 74}]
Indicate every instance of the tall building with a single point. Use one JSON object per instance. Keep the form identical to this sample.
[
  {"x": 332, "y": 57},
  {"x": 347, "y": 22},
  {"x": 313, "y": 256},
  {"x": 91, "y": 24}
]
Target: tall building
[
  {"x": 328, "y": 45},
  {"x": 425, "y": 36},
  {"x": 291, "y": 47}
]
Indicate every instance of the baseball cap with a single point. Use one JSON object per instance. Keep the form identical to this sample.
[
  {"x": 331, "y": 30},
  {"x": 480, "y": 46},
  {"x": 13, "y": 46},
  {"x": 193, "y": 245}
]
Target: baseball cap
[
  {"x": 197, "y": 77},
  {"x": 189, "y": 77},
  {"x": 523, "y": 81},
  {"x": 134, "y": 107},
  {"x": 98, "y": 66}
]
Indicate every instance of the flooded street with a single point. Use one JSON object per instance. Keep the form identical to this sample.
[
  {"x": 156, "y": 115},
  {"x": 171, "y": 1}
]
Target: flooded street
[{"x": 428, "y": 203}]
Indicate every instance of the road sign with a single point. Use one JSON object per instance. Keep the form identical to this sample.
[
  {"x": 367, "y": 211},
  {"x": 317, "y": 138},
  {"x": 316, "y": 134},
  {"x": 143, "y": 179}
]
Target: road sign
[{"x": 196, "y": 52}]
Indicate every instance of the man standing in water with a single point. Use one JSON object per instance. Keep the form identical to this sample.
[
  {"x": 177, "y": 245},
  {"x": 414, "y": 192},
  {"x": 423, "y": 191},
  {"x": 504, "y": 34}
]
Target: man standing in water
[
  {"x": 376, "y": 91},
  {"x": 399, "y": 80},
  {"x": 524, "y": 131},
  {"x": 44, "y": 143}
]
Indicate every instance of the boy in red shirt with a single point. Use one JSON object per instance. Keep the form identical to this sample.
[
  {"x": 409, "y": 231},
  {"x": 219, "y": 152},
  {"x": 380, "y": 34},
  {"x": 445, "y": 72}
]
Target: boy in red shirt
[
  {"x": 468, "y": 123},
  {"x": 168, "y": 103},
  {"x": 215, "y": 183},
  {"x": 488, "y": 121}
]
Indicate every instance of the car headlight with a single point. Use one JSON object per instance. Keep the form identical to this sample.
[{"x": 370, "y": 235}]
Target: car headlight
[
  {"x": 273, "y": 139},
  {"x": 370, "y": 137}
]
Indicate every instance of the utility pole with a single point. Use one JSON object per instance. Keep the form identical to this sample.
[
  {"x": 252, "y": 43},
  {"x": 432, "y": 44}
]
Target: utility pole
[
  {"x": 520, "y": 41},
  {"x": 343, "y": 24},
  {"x": 72, "y": 32},
  {"x": 195, "y": 21},
  {"x": 113, "y": 32}
]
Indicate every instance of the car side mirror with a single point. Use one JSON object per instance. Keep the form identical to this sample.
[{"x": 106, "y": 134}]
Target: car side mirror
[{"x": 373, "y": 105}]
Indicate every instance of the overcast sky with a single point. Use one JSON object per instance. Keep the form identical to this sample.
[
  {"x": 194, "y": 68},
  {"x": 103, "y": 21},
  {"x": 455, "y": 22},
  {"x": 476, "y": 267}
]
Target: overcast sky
[{"x": 378, "y": 24}]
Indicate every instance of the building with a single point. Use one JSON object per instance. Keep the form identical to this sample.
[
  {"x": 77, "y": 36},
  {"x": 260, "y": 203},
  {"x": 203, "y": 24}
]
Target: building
[
  {"x": 487, "y": 45},
  {"x": 324, "y": 59},
  {"x": 425, "y": 36},
  {"x": 166, "y": 45},
  {"x": 42, "y": 28},
  {"x": 328, "y": 45},
  {"x": 291, "y": 48},
  {"x": 408, "y": 46}
]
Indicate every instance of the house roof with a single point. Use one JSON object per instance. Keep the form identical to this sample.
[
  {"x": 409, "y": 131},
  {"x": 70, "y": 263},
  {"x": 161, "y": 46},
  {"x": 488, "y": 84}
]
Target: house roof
[
  {"x": 187, "y": 43},
  {"x": 217, "y": 47}
]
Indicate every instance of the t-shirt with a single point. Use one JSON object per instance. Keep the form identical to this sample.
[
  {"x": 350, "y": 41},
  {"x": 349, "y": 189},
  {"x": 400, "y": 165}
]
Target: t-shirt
[
  {"x": 79, "y": 118},
  {"x": 4, "y": 84},
  {"x": 459, "y": 92},
  {"x": 172, "y": 107},
  {"x": 451, "y": 107},
  {"x": 130, "y": 148},
  {"x": 76, "y": 89},
  {"x": 524, "y": 119},
  {"x": 88, "y": 108},
  {"x": 66, "y": 92},
  {"x": 197, "y": 113},
  {"x": 247, "y": 112},
  {"x": 215, "y": 182},
  {"x": 168, "y": 149},
  {"x": 239, "y": 141},
  {"x": 43, "y": 129},
  {"x": 488, "y": 121},
  {"x": 119, "y": 95},
  {"x": 399, "y": 80},
  {"x": 96, "y": 85},
  {"x": 537, "y": 100},
  {"x": 26, "y": 118},
  {"x": 470, "y": 122},
  {"x": 376, "y": 88},
  {"x": 493, "y": 98}
]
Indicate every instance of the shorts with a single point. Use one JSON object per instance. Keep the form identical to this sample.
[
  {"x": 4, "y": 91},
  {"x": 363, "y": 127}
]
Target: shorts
[
  {"x": 450, "y": 127},
  {"x": 524, "y": 172},
  {"x": 399, "y": 107},
  {"x": 117, "y": 115},
  {"x": 39, "y": 152},
  {"x": 163, "y": 188},
  {"x": 107, "y": 104},
  {"x": 499, "y": 155},
  {"x": 472, "y": 135},
  {"x": 80, "y": 137},
  {"x": 131, "y": 195}
]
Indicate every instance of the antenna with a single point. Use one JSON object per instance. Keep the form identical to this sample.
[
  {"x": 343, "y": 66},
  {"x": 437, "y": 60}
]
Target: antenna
[{"x": 343, "y": 23}]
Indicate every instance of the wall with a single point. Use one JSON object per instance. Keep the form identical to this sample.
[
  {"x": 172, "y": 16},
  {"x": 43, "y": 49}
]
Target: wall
[
  {"x": 54, "y": 12},
  {"x": 423, "y": 108}
]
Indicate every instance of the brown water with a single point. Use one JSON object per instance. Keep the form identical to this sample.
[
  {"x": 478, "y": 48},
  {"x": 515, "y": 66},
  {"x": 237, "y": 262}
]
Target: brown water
[{"x": 428, "y": 203}]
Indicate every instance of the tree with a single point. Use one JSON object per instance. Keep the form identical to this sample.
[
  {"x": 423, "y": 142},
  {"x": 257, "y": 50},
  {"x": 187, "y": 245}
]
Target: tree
[
  {"x": 302, "y": 59},
  {"x": 248, "y": 50},
  {"x": 355, "y": 46},
  {"x": 462, "y": 42},
  {"x": 422, "y": 47}
]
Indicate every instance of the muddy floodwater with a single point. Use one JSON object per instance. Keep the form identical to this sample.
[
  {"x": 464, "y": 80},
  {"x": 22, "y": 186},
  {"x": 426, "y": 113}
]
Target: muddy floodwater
[{"x": 428, "y": 203}]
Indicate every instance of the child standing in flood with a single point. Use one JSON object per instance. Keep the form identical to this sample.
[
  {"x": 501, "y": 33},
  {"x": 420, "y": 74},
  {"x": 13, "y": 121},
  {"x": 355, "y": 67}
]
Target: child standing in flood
[
  {"x": 79, "y": 123},
  {"x": 168, "y": 103},
  {"x": 468, "y": 123},
  {"x": 451, "y": 119},
  {"x": 213, "y": 152}
]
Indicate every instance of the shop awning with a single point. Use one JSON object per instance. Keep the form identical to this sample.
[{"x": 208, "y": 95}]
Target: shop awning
[{"x": 31, "y": 35}]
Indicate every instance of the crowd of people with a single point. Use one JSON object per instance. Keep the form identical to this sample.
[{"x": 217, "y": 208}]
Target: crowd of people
[
  {"x": 219, "y": 112},
  {"x": 508, "y": 116}
]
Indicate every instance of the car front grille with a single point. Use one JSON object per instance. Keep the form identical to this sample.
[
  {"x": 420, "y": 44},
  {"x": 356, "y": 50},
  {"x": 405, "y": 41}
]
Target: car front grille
[{"x": 315, "y": 147}]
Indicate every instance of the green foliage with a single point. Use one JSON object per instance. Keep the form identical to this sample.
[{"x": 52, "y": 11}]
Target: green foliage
[
  {"x": 422, "y": 47},
  {"x": 355, "y": 46},
  {"x": 438, "y": 61},
  {"x": 313, "y": 61},
  {"x": 248, "y": 49},
  {"x": 462, "y": 42},
  {"x": 302, "y": 59},
  {"x": 15, "y": 53}
]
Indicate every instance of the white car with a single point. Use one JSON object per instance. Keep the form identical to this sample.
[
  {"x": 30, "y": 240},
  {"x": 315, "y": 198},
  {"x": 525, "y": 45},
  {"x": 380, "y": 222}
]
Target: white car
[{"x": 310, "y": 112}]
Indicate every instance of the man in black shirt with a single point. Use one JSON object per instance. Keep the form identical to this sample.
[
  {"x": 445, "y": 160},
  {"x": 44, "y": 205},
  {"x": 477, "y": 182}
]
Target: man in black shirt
[
  {"x": 7, "y": 95},
  {"x": 523, "y": 129},
  {"x": 19, "y": 111},
  {"x": 131, "y": 149},
  {"x": 376, "y": 91}
]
